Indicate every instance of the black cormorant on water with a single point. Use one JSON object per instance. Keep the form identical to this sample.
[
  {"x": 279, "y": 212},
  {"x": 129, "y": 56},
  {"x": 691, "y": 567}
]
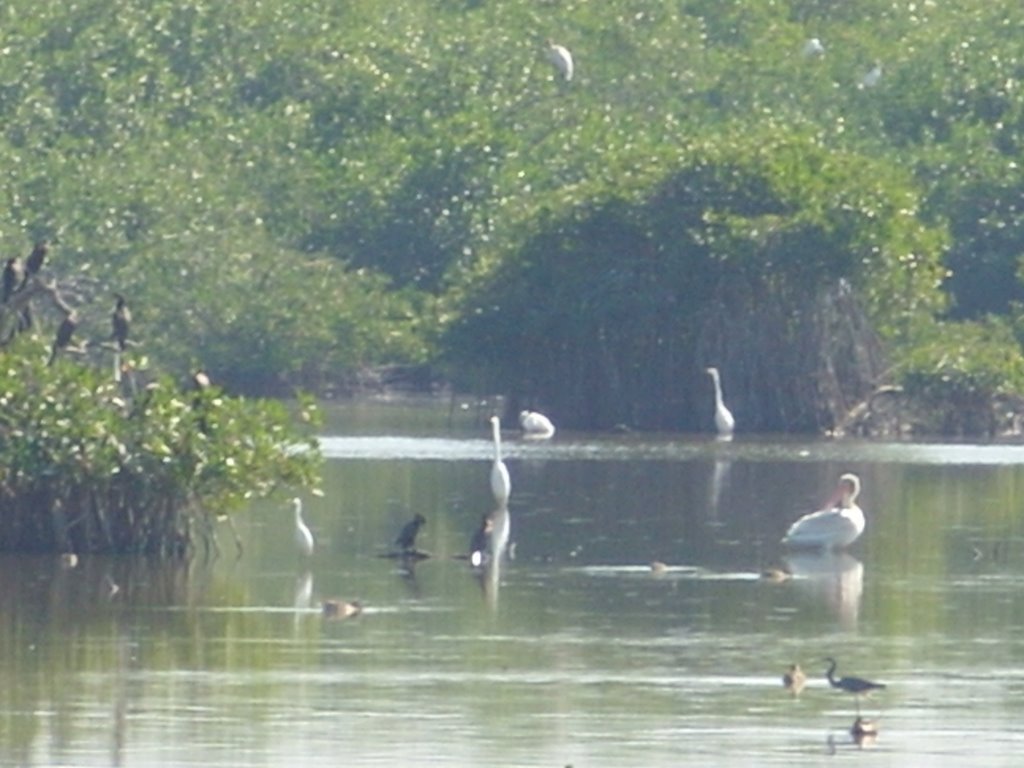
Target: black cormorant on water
[
  {"x": 120, "y": 320},
  {"x": 67, "y": 327},
  {"x": 406, "y": 540}
]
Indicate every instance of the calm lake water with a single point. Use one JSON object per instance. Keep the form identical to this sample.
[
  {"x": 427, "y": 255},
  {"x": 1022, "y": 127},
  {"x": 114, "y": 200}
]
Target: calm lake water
[{"x": 571, "y": 653}]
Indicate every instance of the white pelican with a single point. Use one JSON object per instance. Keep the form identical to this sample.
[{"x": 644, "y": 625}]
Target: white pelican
[
  {"x": 536, "y": 425},
  {"x": 724, "y": 421},
  {"x": 834, "y": 527},
  {"x": 501, "y": 485},
  {"x": 873, "y": 77},
  {"x": 559, "y": 56},
  {"x": 813, "y": 47},
  {"x": 303, "y": 537}
]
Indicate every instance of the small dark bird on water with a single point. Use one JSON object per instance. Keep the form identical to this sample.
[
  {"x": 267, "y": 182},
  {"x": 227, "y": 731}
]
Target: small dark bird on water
[
  {"x": 341, "y": 609},
  {"x": 858, "y": 686},
  {"x": 35, "y": 260},
  {"x": 120, "y": 320},
  {"x": 14, "y": 275},
  {"x": 794, "y": 679},
  {"x": 407, "y": 537},
  {"x": 63, "y": 338}
]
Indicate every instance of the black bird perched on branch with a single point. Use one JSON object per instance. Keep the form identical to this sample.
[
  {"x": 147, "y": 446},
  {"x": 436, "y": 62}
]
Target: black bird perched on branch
[
  {"x": 14, "y": 275},
  {"x": 35, "y": 260},
  {"x": 120, "y": 320},
  {"x": 407, "y": 537},
  {"x": 858, "y": 686},
  {"x": 67, "y": 327}
]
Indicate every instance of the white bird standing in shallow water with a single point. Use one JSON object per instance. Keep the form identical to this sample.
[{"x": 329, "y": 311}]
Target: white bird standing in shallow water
[
  {"x": 559, "y": 56},
  {"x": 834, "y": 527},
  {"x": 303, "y": 536},
  {"x": 501, "y": 485},
  {"x": 724, "y": 422},
  {"x": 536, "y": 424}
]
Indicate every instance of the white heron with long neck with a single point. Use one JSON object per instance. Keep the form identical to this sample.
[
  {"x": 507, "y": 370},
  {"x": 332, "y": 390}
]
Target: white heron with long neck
[
  {"x": 836, "y": 526},
  {"x": 501, "y": 485},
  {"x": 724, "y": 422},
  {"x": 303, "y": 536}
]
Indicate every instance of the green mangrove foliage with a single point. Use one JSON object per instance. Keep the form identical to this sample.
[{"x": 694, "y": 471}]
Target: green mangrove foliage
[
  {"x": 91, "y": 465},
  {"x": 303, "y": 189},
  {"x": 748, "y": 253}
]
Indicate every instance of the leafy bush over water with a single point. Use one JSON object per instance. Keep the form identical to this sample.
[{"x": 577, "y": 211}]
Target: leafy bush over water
[{"x": 90, "y": 465}]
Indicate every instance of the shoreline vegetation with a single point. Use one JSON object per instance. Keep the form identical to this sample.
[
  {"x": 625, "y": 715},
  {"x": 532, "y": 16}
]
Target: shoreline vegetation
[{"x": 95, "y": 463}]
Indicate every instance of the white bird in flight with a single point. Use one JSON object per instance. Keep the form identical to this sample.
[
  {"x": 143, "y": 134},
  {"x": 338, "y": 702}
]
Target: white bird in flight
[
  {"x": 836, "y": 526},
  {"x": 303, "y": 536},
  {"x": 536, "y": 425},
  {"x": 724, "y": 422},
  {"x": 559, "y": 56}
]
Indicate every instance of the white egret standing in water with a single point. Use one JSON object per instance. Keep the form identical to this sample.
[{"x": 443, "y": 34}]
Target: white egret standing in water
[
  {"x": 836, "y": 526},
  {"x": 303, "y": 536},
  {"x": 501, "y": 485},
  {"x": 724, "y": 422}
]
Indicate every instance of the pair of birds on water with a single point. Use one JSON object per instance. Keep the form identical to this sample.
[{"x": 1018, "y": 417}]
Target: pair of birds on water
[
  {"x": 406, "y": 540},
  {"x": 795, "y": 679},
  {"x": 836, "y": 526},
  {"x": 342, "y": 609},
  {"x": 862, "y": 729}
]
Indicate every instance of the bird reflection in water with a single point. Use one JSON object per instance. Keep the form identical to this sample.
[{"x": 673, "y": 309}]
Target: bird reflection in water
[
  {"x": 834, "y": 578},
  {"x": 487, "y": 546},
  {"x": 303, "y": 591}
]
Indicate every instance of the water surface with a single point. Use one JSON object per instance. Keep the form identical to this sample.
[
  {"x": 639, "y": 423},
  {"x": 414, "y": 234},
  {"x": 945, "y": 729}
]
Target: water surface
[{"x": 574, "y": 652}]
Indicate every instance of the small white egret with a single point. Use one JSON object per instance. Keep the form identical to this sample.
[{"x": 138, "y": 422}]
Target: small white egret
[
  {"x": 536, "y": 425},
  {"x": 724, "y": 422},
  {"x": 873, "y": 77},
  {"x": 813, "y": 47},
  {"x": 836, "y": 526},
  {"x": 561, "y": 58},
  {"x": 501, "y": 485},
  {"x": 303, "y": 536}
]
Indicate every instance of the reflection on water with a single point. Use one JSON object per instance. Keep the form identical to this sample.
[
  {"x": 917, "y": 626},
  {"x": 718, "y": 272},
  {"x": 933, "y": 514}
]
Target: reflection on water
[
  {"x": 836, "y": 579},
  {"x": 590, "y": 657}
]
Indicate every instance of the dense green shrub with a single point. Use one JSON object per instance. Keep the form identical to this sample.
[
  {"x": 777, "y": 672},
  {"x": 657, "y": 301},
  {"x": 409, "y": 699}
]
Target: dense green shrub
[{"x": 94, "y": 465}]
